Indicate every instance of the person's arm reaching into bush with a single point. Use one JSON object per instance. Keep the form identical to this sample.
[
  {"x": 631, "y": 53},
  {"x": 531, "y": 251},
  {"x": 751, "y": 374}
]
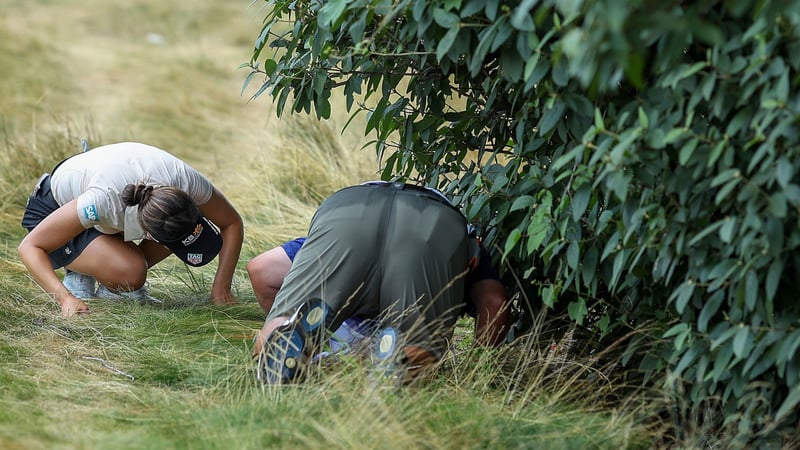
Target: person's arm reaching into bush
[{"x": 491, "y": 319}]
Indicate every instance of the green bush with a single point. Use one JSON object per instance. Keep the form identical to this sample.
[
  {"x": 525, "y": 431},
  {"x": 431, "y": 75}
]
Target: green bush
[{"x": 636, "y": 162}]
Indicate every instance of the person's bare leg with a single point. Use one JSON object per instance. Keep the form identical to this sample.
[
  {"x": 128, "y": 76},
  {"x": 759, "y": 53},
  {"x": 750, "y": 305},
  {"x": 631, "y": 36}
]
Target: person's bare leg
[
  {"x": 117, "y": 264},
  {"x": 267, "y": 272},
  {"x": 153, "y": 252}
]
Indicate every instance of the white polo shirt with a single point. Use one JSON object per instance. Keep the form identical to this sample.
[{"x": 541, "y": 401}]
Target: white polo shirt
[{"x": 97, "y": 177}]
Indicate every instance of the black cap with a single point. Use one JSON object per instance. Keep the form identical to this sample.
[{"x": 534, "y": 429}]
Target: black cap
[{"x": 199, "y": 246}]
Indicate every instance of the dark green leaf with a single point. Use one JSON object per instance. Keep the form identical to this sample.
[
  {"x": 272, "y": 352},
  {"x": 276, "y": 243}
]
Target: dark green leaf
[
  {"x": 580, "y": 201},
  {"x": 725, "y": 176},
  {"x": 721, "y": 363},
  {"x": 619, "y": 264},
  {"x": 356, "y": 30},
  {"x": 643, "y": 121},
  {"x": 777, "y": 205},
  {"x": 723, "y": 193},
  {"x": 598, "y": 119},
  {"x": 789, "y": 403},
  {"x": 716, "y": 152},
  {"x": 522, "y": 202},
  {"x": 618, "y": 181},
  {"x": 503, "y": 33},
  {"x": 687, "y": 151},
  {"x": 573, "y": 254},
  {"x": 446, "y": 43},
  {"x": 706, "y": 231},
  {"x": 792, "y": 193},
  {"x": 672, "y": 136},
  {"x": 687, "y": 71},
  {"x": 319, "y": 82},
  {"x": 685, "y": 360},
  {"x": 247, "y": 81},
  {"x": 634, "y": 69},
  {"x": 331, "y": 11},
  {"x": 284, "y": 95},
  {"x": 611, "y": 245},
  {"x": 773, "y": 278},
  {"x": 548, "y": 296},
  {"x": 785, "y": 172},
  {"x": 530, "y": 66},
  {"x": 710, "y": 308},
  {"x": 551, "y": 117},
  {"x": 521, "y": 18},
  {"x": 511, "y": 241},
  {"x": 485, "y": 39},
  {"x": 445, "y": 19},
  {"x": 742, "y": 342},
  {"x": 589, "y": 265},
  {"x": 727, "y": 230},
  {"x": 512, "y": 64},
  {"x": 676, "y": 329},
  {"x": 537, "y": 230},
  {"x": 681, "y": 295},
  {"x": 491, "y": 9},
  {"x": 751, "y": 290},
  {"x": 577, "y": 311},
  {"x": 655, "y": 138},
  {"x": 782, "y": 87}
]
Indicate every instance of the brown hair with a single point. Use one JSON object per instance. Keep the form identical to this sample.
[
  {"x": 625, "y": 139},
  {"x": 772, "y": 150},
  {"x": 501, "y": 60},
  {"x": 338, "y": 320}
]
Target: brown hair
[{"x": 165, "y": 212}]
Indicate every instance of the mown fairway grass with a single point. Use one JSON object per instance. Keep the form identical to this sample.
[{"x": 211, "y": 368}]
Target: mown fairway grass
[{"x": 178, "y": 375}]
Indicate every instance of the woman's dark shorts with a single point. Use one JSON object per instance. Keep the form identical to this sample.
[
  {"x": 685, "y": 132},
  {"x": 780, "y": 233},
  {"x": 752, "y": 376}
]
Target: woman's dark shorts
[{"x": 40, "y": 205}]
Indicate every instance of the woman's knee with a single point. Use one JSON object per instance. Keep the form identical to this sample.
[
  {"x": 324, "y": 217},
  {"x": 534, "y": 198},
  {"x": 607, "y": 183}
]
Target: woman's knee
[{"x": 126, "y": 273}]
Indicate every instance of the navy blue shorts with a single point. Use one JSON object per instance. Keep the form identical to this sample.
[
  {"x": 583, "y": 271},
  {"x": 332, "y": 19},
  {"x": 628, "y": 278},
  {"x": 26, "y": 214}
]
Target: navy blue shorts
[
  {"x": 40, "y": 205},
  {"x": 291, "y": 247}
]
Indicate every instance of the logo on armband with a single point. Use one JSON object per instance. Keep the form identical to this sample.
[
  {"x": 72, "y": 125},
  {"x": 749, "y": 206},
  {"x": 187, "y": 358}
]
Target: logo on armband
[{"x": 90, "y": 212}]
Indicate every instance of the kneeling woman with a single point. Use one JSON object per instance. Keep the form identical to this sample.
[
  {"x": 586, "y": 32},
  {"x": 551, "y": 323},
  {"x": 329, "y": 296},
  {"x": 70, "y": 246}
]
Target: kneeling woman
[{"x": 88, "y": 212}]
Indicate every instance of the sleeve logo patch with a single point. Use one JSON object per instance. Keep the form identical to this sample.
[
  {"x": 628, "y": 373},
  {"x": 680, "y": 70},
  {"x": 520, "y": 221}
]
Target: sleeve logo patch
[{"x": 90, "y": 212}]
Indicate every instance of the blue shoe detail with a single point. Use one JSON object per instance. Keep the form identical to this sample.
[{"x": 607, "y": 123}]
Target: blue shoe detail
[
  {"x": 387, "y": 343},
  {"x": 282, "y": 358},
  {"x": 387, "y": 366},
  {"x": 313, "y": 314},
  {"x": 289, "y": 348}
]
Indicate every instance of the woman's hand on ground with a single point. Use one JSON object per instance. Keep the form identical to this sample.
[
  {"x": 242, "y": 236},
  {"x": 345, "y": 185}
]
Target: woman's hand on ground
[
  {"x": 71, "y": 306},
  {"x": 222, "y": 299}
]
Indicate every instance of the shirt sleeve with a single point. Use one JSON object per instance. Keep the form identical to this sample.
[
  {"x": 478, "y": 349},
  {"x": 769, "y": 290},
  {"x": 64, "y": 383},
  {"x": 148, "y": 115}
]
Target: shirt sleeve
[
  {"x": 196, "y": 185},
  {"x": 97, "y": 209}
]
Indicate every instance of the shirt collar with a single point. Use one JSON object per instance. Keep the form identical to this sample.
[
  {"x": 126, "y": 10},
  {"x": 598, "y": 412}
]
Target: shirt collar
[{"x": 133, "y": 230}]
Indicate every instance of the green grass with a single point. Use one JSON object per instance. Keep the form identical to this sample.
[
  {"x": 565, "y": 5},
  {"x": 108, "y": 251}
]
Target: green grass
[{"x": 178, "y": 375}]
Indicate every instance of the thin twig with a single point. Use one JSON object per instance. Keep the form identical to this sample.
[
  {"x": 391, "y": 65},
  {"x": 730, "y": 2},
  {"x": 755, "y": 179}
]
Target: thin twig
[{"x": 109, "y": 366}]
